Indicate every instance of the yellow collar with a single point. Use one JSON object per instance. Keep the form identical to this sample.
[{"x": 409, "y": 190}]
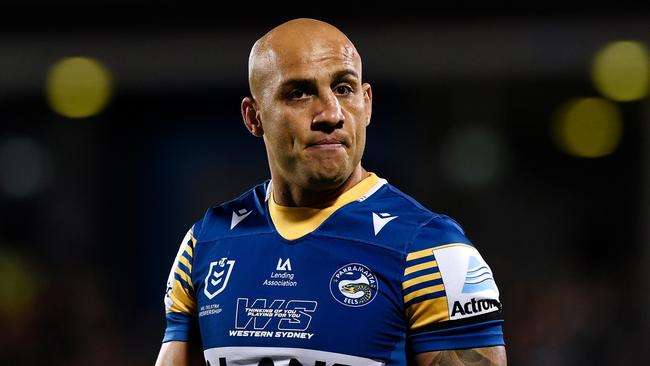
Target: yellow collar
[{"x": 295, "y": 222}]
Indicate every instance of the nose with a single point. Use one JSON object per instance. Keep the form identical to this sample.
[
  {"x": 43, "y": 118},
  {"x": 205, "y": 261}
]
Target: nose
[{"x": 328, "y": 114}]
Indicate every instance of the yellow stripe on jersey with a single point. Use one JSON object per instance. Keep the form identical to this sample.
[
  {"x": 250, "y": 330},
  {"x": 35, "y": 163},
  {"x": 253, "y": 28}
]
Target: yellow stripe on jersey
[
  {"x": 184, "y": 276},
  {"x": 181, "y": 301},
  {"x": 179, "y": 297},
  {"x": 187, "y": 264},
  {"x": 419, "y": 267},
  {"x": 427, "y": 312},
  {"x": 423, "y": 291},
  {"x": 420, "y": 314},
  {"x": 418, "y": 280},
  {"x": 419, "y": 254}
]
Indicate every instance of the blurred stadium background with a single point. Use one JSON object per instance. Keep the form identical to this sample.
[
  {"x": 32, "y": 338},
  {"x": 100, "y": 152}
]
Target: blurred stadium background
[{"x": 121, "y": 125}]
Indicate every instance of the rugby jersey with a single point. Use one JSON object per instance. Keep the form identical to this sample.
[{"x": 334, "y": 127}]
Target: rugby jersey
[{"x": 367, "y": 280}]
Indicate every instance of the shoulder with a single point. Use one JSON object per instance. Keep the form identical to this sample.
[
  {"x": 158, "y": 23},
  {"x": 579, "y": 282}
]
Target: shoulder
[
  {"x": 430, "y": 229},
  {"x": 391, "y": 218},
  {"x": 244, "y": 215},
  {"x": 425, "y": 225}
]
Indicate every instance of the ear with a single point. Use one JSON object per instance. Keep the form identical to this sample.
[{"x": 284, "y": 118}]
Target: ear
[
  {"x": 367, "y": 100},
  {"x": 251, "y": 116}
]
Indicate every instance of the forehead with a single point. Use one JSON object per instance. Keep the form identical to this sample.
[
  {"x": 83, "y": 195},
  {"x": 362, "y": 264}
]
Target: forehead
[{"x": 316, "y": 58}]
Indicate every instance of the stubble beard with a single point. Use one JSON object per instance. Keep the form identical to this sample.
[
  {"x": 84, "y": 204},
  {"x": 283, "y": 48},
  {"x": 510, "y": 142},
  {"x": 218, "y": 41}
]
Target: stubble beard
[{"x": 325, "y": 175}]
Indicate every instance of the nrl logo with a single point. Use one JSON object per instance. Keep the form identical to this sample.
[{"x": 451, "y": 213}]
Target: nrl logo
[{"x": 218, "y": 276}]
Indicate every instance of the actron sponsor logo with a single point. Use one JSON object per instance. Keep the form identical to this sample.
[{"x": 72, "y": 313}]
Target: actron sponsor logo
[{"x": 475, "y": 306}]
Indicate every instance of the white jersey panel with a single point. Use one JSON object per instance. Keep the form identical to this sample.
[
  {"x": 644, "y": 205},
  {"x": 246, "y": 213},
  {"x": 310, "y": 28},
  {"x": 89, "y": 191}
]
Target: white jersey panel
[{"x": 250, "y": 356}]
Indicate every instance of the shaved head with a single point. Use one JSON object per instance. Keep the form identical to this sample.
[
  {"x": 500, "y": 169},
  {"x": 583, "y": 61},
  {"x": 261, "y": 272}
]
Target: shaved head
[
  {"x": 308, "y": 103},
  {"x": 295, "y": 41}
]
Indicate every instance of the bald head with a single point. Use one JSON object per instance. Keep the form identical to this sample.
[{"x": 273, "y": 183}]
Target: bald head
[
  {"x": 311, "y": 108},
  {"x": 296, "y": 43}
]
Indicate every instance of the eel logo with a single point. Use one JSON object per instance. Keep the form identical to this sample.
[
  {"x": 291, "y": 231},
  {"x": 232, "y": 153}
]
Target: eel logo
[
  {"x": 218, "y": 276},
  {"x": 353, "y": 285}
]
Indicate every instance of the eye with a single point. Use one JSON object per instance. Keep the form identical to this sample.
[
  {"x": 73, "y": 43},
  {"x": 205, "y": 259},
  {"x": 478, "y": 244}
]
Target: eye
[
  {"x": 297, "y": 94},
  {"x": 343, "y": 89}
]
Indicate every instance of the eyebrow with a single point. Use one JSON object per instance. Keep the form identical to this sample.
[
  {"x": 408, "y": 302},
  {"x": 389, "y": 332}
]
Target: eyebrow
[{"x": 343, "y": 73}]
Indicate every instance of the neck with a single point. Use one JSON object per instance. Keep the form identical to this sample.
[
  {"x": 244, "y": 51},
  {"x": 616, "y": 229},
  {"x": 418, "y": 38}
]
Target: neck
[{"x": 287, "y": 194}]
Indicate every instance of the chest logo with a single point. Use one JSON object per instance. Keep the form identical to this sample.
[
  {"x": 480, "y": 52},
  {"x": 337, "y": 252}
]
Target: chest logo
[
  {"x": 380, "y": 220},
  {"x": 217, "y": 277},
  {"x": 289, "y": 317},
  {"x": 238, "y": 216},
  {"x": 353, "y": 285},
  {"x": 283, "y": 266}
]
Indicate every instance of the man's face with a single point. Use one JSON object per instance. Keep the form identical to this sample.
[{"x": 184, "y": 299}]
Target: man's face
[{"x": 314, "y": 111}]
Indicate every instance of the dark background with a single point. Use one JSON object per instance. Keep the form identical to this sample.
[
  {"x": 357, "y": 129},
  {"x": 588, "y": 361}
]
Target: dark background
[{"x": 463, "y": 104}]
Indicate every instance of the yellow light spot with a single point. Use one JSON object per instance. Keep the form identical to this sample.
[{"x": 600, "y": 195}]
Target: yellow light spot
[
  {"x": 78, "y": 87},
  {"x": 588, "y": 127},
  {"x": 621, "y": 71},
  {"x": 17, "y": 287}
]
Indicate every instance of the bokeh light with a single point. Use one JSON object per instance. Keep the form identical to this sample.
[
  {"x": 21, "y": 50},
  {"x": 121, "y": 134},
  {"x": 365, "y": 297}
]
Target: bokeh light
[
  {"x": 18, "y": 287},
  {"x": 25, "y": 167},
  {"x": 78, "y": 87},
  {"x": 621, "y": 71},
  {"x": 474, "y": 156},
  {"x": 588, "y": 127}
]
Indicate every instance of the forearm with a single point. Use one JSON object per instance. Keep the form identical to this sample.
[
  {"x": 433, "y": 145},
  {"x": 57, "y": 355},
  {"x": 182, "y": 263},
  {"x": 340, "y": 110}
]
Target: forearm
[
  {"x": 488, "y": 356},
  {"x": 173, "y": 354}
]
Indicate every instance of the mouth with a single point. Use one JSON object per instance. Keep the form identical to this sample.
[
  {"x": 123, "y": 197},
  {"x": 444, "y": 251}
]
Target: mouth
[{"x": 327, "y": 143}]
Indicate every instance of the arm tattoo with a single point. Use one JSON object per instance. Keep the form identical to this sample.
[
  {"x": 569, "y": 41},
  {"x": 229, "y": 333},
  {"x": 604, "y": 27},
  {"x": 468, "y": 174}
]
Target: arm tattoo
[{"x": 469, "y": 357}]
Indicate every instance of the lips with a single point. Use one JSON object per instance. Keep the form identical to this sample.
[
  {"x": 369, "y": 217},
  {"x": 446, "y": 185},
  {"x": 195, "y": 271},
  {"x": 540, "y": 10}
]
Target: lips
[{"x": 327, "y": 142}]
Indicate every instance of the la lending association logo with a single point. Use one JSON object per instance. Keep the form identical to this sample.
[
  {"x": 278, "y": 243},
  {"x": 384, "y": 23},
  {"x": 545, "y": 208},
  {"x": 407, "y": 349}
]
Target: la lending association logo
[{"x": 353, "y": 285}]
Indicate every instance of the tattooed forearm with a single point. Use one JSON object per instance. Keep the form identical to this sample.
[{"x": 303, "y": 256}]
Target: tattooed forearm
[{"x": 490, "y": 356}]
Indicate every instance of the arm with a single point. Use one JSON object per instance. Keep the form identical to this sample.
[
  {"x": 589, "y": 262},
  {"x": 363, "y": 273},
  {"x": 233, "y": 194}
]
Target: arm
[
  {"x": 451, "y": 300},
  {"x": 180, "y": 310},
  {"x": 174, "y": 353},
  {"x": 488, "y": 356}
]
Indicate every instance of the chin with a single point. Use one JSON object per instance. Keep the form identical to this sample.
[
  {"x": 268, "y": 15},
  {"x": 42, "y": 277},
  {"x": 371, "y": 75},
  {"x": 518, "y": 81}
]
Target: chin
[{"x": 328, "y": 178}]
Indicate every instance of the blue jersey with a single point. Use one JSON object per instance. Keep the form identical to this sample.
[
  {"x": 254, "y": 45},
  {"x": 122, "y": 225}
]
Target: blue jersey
[{"x": 380, "y": 279}]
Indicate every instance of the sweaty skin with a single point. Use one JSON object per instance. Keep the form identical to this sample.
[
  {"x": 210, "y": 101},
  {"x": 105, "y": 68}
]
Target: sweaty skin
[{"x": 311, "y": 108}]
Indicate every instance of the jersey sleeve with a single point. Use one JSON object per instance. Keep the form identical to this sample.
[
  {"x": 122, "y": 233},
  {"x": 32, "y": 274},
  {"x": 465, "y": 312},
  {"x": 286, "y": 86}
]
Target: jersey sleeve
[
  {"x": 450, "y": 296},
  {"x": 180, "y": 299}
]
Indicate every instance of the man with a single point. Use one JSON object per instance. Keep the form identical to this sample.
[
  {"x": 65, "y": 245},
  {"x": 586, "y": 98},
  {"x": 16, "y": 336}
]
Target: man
[{"x": 325, "y": 263}]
